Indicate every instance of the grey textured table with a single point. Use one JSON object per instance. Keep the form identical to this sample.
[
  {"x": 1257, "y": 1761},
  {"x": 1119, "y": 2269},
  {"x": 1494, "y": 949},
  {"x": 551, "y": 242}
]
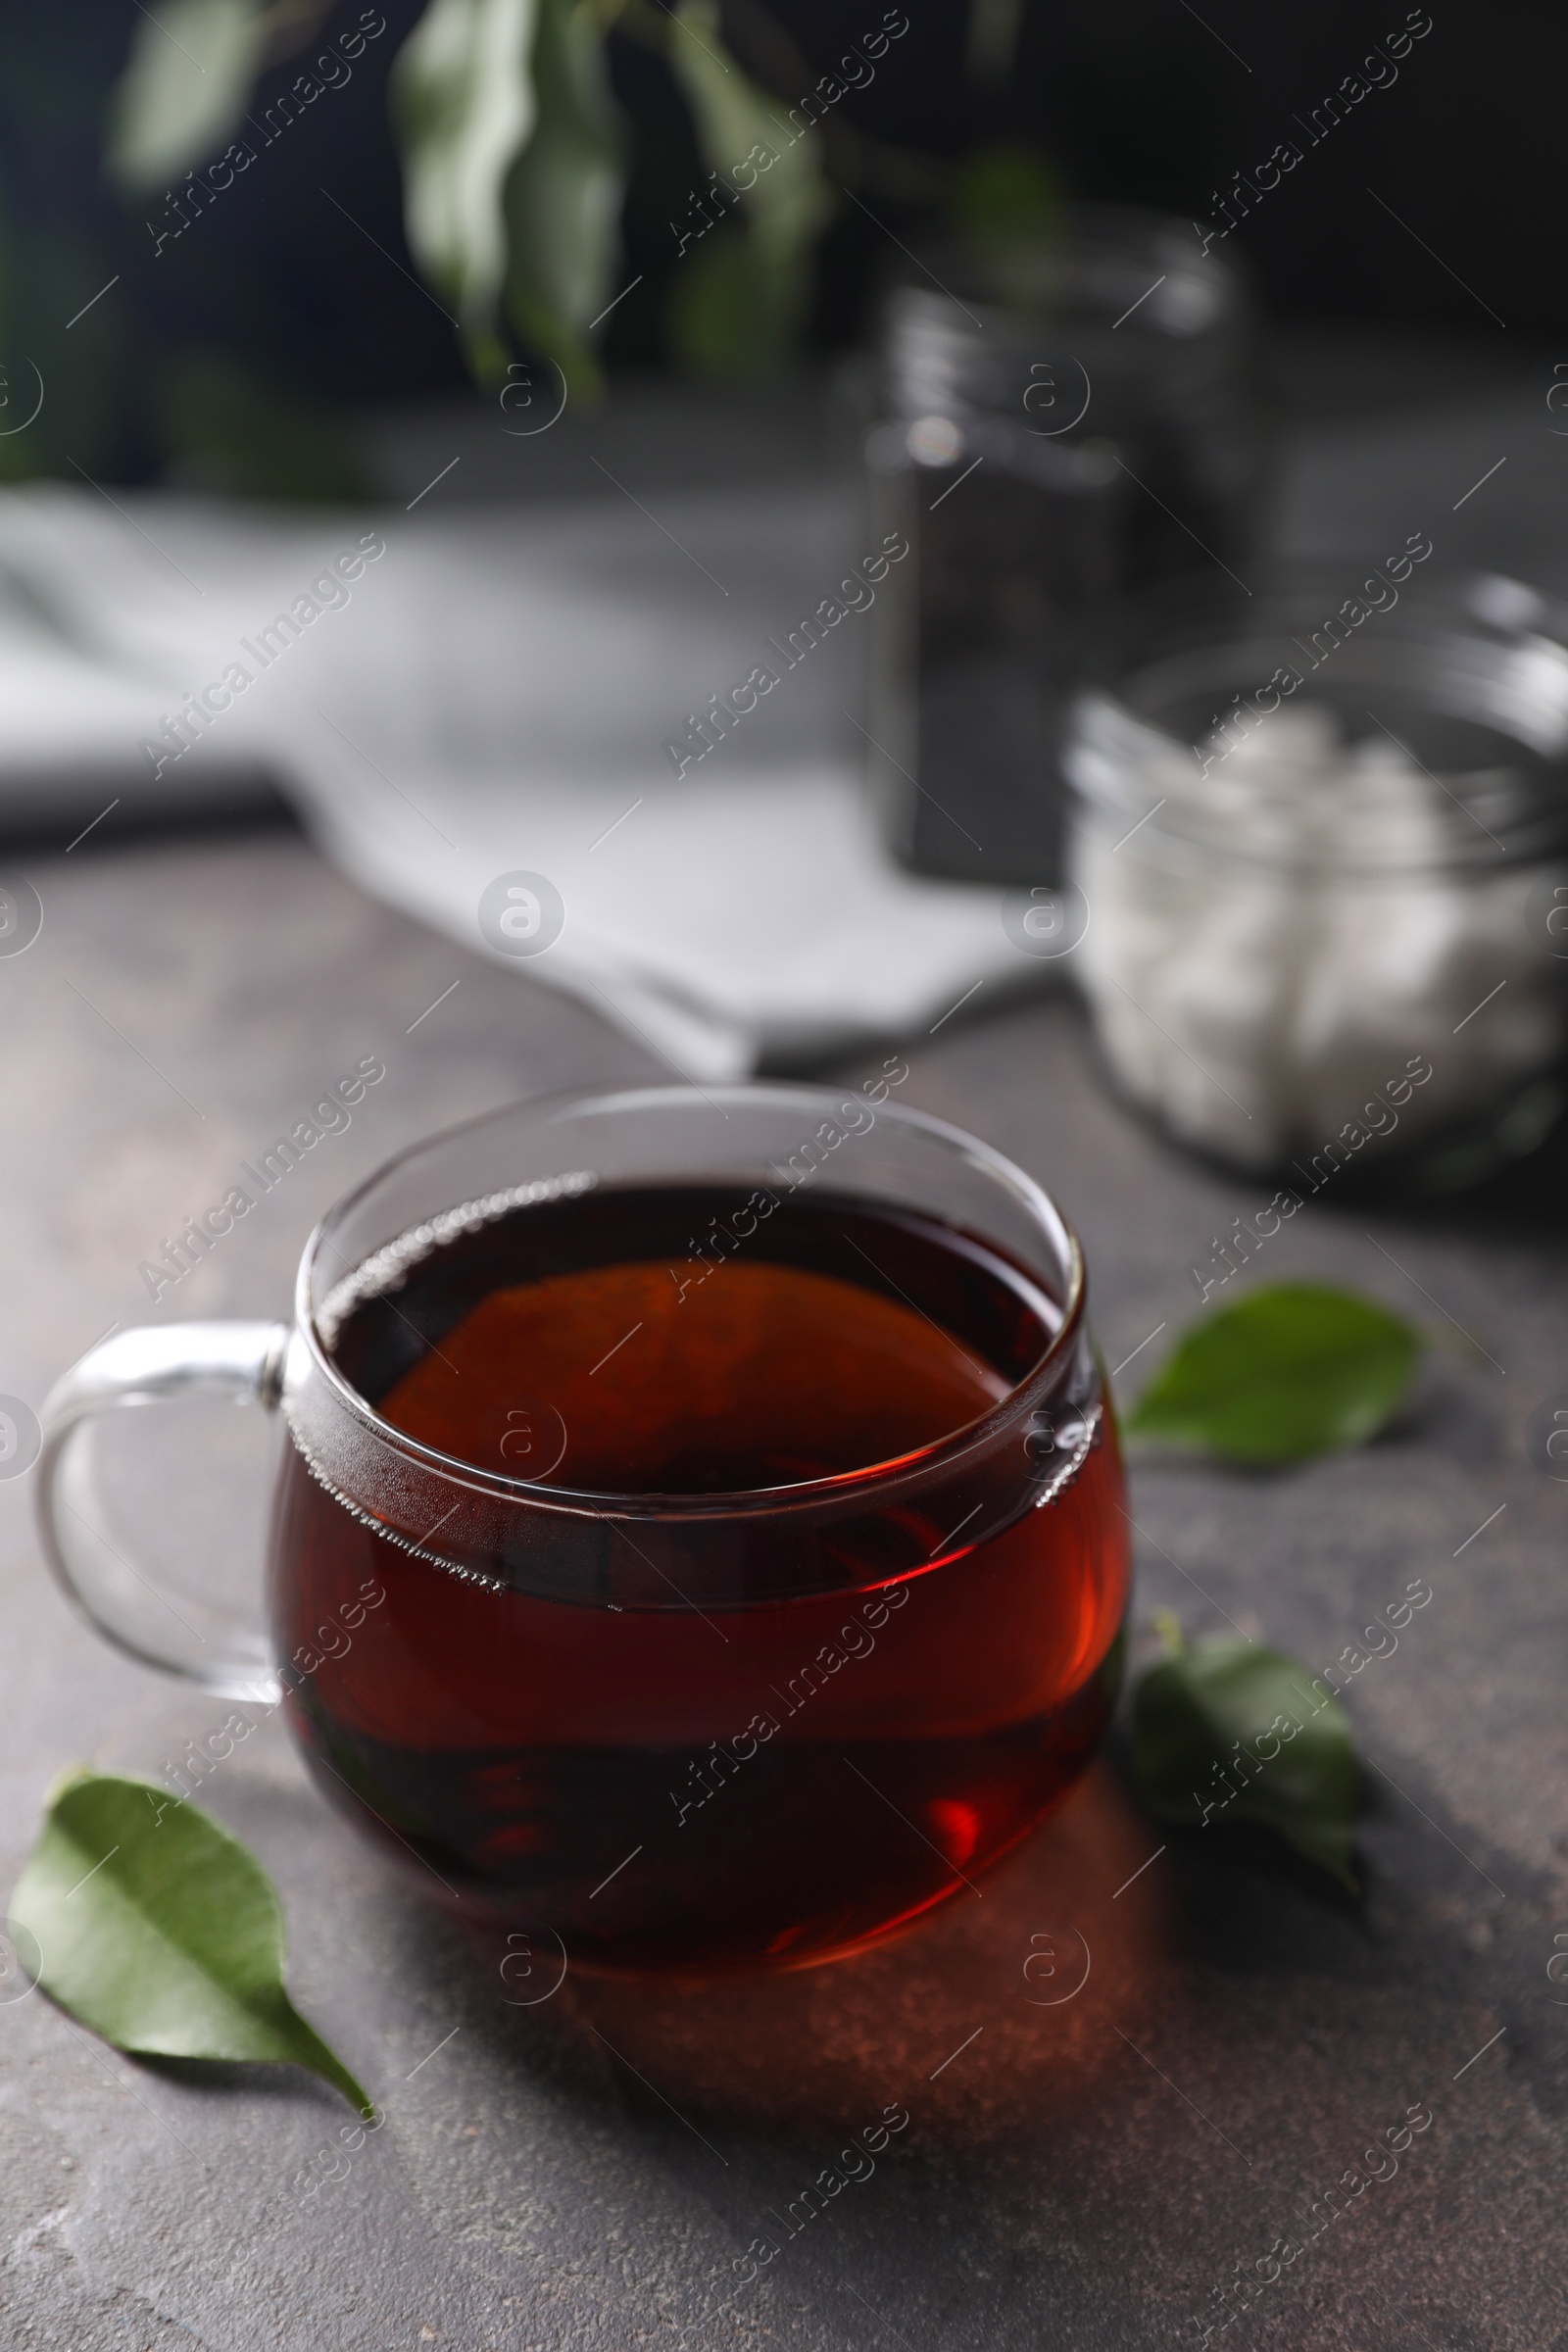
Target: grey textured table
[{"x": 588, "y": 2172}]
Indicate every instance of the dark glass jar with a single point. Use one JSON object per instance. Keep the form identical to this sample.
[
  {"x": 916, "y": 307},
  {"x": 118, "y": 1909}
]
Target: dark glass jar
[{"x": 1063, "y": 423}]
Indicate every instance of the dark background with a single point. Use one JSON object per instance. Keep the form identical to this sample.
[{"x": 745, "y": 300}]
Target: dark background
[{"x": 283, "y": 303}]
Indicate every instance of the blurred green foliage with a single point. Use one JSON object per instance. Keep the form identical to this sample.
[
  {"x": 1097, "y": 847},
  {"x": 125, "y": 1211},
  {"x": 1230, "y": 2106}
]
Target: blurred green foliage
[{"x": 519, "y": 176}]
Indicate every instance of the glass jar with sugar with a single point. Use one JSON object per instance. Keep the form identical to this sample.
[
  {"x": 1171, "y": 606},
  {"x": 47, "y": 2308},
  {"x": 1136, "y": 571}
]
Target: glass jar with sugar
[{"x": 1323, "y": 842}]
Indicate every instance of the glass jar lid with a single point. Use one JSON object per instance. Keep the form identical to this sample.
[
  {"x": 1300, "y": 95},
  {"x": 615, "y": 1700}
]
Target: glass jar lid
[{"x": 1118, "y": 306}]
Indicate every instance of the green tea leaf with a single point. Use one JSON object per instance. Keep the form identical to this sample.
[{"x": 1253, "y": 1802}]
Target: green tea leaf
[
  {"x": 1230, "y": 1730},
  {"x": 562, "y": 197},
  {"x": 739, "y": 293},
  {"x": 1288, "y": 1371},
  {"x": 160, "y": 1932},
  {"x": 464, "y": 105},
  {"x": 184, "y": 90}
]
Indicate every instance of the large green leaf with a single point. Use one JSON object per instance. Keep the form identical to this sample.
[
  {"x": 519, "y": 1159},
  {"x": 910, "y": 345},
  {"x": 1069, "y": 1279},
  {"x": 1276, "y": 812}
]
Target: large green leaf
[
  {"x": 1291, "y": 1370},
  {"x": 563, "y": 198},
  {"x": 1232, "y": 1731},
  {"x": 159, "y": 1930},
  {"x": 741, "y": 288},
  {"x": 464, "y": 105},
  {"x": 183, "y": 89}
]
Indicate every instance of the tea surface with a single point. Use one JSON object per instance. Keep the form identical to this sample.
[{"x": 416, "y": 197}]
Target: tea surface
[{"x": 754, "y": 1376}]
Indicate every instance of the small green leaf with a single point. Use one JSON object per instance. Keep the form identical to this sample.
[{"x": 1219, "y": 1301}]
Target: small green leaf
[
  {"x": 160, "y": 1932},
  {"x": 740, "y": 295},
  {"x": 1292, "y": 1370},
  {"x": 787, "y": 198},
  {"x": 464, "y": 105},
  {"x": 1232, "y": 1731},
  {"x": 562, "y": 196},
  {"x": 183, "y": 89}
]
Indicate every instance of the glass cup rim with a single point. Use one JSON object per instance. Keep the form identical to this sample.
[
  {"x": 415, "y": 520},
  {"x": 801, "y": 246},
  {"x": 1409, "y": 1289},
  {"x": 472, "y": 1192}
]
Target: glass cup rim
[{"x": 751, "y": 1502}]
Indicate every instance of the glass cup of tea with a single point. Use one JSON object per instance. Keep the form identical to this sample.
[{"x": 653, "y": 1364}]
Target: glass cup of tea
[{"x": 697, "y": 1538}]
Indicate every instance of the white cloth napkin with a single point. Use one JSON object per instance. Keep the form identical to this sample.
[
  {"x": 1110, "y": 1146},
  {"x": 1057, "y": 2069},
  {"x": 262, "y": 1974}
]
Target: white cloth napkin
[{"x": 493, "y": 695}]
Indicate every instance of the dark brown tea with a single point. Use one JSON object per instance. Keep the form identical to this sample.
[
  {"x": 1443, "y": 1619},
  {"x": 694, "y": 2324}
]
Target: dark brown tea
[{"x": 815, "y": 1711}]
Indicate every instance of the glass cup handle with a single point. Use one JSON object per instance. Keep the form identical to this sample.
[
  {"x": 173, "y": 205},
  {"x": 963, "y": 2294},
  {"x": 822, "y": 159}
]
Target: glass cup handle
[{"x": 205, "y": 1641}]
